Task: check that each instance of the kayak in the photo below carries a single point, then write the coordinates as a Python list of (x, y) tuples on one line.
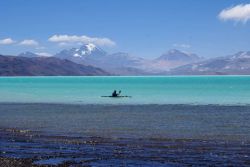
[(116, 96)]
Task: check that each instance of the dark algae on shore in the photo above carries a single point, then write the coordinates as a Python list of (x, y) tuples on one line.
[(15, 162)]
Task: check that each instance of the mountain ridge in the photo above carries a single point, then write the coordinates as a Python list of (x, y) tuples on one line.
[(115, 62), (173, 62), (235, 64), (44, 66)]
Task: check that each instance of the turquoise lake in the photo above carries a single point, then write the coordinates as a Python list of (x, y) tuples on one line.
[(225, 90), (168, 121)]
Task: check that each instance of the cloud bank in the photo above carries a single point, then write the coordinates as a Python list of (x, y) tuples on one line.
[(7, 41), (64, 39), (29, 42), (238, 13)]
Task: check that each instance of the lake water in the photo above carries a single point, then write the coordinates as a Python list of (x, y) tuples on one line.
[(224, 90), (168, 121), (198, 107)]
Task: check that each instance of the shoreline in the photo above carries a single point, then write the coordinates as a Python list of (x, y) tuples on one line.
[(38, 134), (18, 150), (124, 104)]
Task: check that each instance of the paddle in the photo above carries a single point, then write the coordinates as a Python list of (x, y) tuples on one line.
[(116, 96)]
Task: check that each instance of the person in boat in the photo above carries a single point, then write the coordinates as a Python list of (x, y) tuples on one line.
[(115, 94)]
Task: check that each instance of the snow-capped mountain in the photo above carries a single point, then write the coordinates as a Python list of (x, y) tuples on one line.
[(79, 54), (240, 55), (90, 54), (238, 63)]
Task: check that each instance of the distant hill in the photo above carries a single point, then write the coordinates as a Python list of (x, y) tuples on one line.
[(28, 54), (44, 66), (236, 64), (174, 58)]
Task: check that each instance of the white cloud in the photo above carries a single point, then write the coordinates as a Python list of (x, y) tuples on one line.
[(65, 39), (44, 54), (63, 44), (40, 47), (7, 41), (29, 42), (236, 13), (182, 45)]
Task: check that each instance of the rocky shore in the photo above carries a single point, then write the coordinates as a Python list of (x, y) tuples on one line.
[(22, 148), (13, 162)]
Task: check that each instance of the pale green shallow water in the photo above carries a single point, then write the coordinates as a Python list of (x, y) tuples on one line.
[(224, 90)]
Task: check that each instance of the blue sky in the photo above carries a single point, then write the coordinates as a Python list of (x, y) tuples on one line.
[(146, 28)]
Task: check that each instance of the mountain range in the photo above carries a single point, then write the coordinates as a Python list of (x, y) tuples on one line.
[(121, 63), (44, 66), (92, 60), (117, 63), (173, 62), (236, 64)]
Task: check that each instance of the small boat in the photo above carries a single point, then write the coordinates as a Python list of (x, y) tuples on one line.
[(116, 95)]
